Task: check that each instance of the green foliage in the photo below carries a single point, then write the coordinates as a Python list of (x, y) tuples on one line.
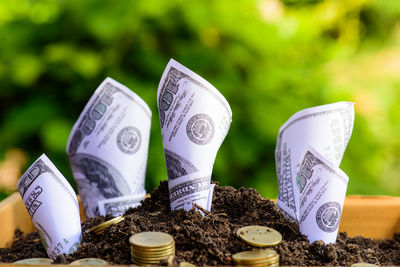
[(269, 59), (3, 195)]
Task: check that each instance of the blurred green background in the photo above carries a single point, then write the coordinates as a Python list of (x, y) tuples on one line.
[(269, 58)]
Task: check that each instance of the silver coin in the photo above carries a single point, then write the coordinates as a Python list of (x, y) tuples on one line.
[(35, 261)]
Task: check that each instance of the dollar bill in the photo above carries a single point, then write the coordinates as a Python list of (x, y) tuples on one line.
[(322, 197), (195, 119), (52, 204), (187, 190), (327, 129), (108, 148), (117, 206)]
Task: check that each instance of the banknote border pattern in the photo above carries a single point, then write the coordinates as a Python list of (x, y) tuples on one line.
[(348, 117), (308, 163), (343, 111), (78, 134), (181, 75), (201, 182), (42, 169), (126, 205)]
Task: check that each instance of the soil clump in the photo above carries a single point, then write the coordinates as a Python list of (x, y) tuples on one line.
[(211, 239)]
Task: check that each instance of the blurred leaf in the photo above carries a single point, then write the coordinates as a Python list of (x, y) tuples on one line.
[(3, 195), (55, 135), (26, 69), (26, 121), (269, 58)]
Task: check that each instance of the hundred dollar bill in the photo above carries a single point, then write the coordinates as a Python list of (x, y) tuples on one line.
[(108, 148), (194, 118), (117, 206), (52, 204), (328, 129), (321, 198)]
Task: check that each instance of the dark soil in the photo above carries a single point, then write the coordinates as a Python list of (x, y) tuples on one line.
[(211, 239)]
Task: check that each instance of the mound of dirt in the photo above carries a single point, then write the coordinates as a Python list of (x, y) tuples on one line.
[(211, 239)]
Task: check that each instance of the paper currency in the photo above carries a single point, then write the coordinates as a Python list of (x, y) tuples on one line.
[(322, 197), (52, 204), (108, 148), (327, 129), (119, 205), (194, 118)]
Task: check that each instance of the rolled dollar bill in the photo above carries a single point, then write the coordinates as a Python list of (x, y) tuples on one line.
[(194, 118), (52, 204), (327, 129), (108, 148), (322, 197)]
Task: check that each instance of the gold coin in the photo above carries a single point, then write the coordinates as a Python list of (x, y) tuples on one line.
[(150, 240), (271, 260), (98, 229), (276, 264), (155, 249), (363, 264), (146, 261), (186, 264), (158, 254), (268, 262), (89, 261), (254, 255), (149, 261), (259, 236), (259, 262), (158, 257), (35, 261), (153, 254), (149, 258)]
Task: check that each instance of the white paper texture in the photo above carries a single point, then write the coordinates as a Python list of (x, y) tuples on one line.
[(327, 129), (108, 148), (117, 206), (322, 197), (52, 204), (194, 118)]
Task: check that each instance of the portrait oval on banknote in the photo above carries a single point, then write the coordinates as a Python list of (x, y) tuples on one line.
[(129, 140), (200, 129), (328, 216), (96, 180)]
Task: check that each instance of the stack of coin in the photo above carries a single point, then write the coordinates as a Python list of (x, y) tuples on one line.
[(151, 247), (259, 236), (98, 229), (265, 257), (186, 264)]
